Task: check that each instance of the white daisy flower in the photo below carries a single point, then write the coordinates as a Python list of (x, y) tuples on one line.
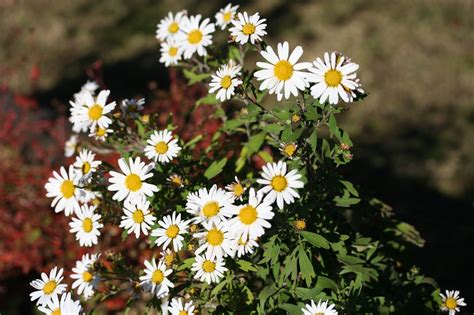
[(63, 187), (288, 149), (85, 164), (137, 217), (170, 53), (323, 308), (155, 279), (90, 86), (170, 26), (236, 189), (48, 286), (131, 184), (94, 110), (251, 218), (175, 180), (209, 269), (334, 77), (168, 257), (86, 226), (226, 15), (171, 231), (70, 146), (66, 305), (225, 80), (248, 28), (451, 302), (245, 247), (86, 195), (282, 74), (211, 206), (177, 307), (85, 279), (280, 185), (162, 147), (216, 240), (195, 36), (132, 106), (99, 133)]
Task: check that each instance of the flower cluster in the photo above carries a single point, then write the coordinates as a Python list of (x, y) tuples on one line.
[(207, 233)]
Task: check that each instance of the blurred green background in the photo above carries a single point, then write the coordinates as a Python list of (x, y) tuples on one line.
[(412, 135)]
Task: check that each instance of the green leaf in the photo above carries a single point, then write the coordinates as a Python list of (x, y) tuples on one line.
[(326, 283), (234, 54), (194, 78), (256, 141), (306, 267), (246, 265), (350, 187), (265, 156), (232, 124), (193, 141), (290, 308), (208, 99), (186, 264), (315, 239), (274, 128), (313, 140), (215, 168)]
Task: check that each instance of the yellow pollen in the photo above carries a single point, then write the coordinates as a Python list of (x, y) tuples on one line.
[(49, 287), (161, 147), (169, 259), (283, 70), (157, 276), (183, 313), (226, 81), (333, 78), (67, 189), (172, 51), (172, 231), (290, 149), (87, 225), (300, 224), (100, 132), (227, 16), (279, 183), (138, 216), (248, 29), (451, 303), (173, 28), (248, 215), (210, 209), (238, 189), (87, 276), (56, 312), (194, 37), (215, 237), (95, 112), (86, 168), (133, 182), (208, 266)]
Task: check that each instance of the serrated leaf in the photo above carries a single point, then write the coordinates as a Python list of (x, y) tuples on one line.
[(315, 239), (306, 267), (193, 77), (246, 265)]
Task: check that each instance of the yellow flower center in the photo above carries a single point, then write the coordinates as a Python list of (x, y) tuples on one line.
[(87, 276), (173, 51), (451, 303), (173, 28), (172, 231), (176, 181), (49, 287), (226, 81), (87, 225), (138, 216), (169, 259), (283, 70), (227, 16), (290, 149), (183, 313), (238, 189), (157, 277), (56, 312), (194, 37), (215, 237), (333, 78), (248, 215), (161, 147), (133, 182), (67, 189), (100, 132), (279, 183), (300, 224), (95, 112), (86, 167), (295, 118), (208, 266), (248, 29), (210, 209)]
